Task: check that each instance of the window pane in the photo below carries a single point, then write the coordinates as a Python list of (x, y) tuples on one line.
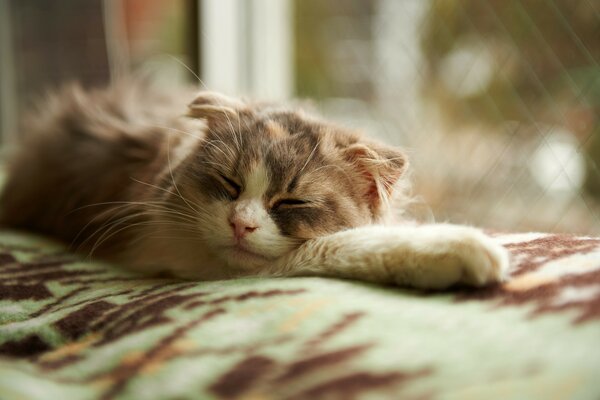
[(498, 101)]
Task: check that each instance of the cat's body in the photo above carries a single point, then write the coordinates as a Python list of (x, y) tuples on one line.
[(231, 189)]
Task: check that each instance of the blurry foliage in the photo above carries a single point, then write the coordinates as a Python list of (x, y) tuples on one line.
[(321, 28), (544, 50), (545, 65), (309, 61)]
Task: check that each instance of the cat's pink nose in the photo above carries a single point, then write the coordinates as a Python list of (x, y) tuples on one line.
[(241, 228)]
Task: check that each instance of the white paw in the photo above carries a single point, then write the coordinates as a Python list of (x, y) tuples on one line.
[(450, 254)]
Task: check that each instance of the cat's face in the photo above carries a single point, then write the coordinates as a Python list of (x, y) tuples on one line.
[(263, 181)]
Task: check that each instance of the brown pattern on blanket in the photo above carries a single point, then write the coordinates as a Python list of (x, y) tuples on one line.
[(87, 319), (94, 331), (541, 277)]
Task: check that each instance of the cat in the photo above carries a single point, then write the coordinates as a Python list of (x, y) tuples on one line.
[(206, 186)]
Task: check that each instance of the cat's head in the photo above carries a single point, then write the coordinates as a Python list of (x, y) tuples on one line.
[(264, 180)]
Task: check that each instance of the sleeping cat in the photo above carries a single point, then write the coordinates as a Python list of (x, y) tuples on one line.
[(221, 188)]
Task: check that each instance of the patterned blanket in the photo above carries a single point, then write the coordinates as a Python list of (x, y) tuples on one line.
[(71, 329)]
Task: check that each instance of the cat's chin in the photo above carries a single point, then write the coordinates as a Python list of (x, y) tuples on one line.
[(245, 258)]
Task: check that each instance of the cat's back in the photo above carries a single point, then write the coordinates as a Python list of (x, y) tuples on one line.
[(81, 148)]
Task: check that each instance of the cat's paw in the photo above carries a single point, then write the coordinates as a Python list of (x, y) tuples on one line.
[(483, 260), (449, 254)]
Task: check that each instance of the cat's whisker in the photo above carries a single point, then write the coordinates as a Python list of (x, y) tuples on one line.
[(200, 81), (201, 139), (109, 226), (152, 234), (310, 156), (239, 131), (179, 215), (121, 204), (221, 139), (104, 203), (385, 161), (234, 134), (232, 129), (155, 207), (102, 239), (339, 168), (173, 179), (211, 163), (96, 217), (183, 224), (153, 186), (211, 143)]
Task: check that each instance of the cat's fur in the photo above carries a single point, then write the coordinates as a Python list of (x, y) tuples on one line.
[(231, 189)]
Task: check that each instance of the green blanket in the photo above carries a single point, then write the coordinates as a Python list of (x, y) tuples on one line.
[(71, 329)]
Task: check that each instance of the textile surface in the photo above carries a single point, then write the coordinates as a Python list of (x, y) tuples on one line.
[(75, 329)]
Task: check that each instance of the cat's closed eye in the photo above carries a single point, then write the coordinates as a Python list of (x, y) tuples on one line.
[(233, 188), (290, 203)]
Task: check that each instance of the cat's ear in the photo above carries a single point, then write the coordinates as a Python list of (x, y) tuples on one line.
[(214, 106), (381, 167)]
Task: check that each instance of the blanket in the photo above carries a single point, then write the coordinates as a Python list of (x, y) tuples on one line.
[(75, 329)]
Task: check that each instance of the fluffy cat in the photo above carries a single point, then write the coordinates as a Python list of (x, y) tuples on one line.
[(230, 189)]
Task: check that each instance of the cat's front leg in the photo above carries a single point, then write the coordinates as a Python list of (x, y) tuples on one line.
[(426, 256)]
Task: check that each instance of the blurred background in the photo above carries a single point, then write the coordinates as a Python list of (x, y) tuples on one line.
[(497, 102)]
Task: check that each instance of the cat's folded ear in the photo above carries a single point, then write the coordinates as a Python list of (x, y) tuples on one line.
[(381, 166), (213, 106)]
